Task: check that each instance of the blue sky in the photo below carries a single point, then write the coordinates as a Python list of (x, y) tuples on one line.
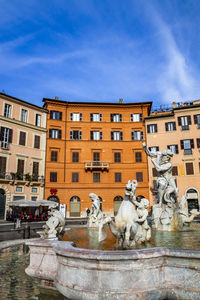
[(100, 50)]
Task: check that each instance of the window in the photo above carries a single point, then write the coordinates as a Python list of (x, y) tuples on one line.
[(2, 166), (24, 114), (54, 155), (118, 177), (184, 122), (37, 142), (170, 126), (116, 135), (22, 138), (154, 148), (33, 198), (116, 118), (76, 117), (152, 128), (187, 146), (19, 189), (189, 168), (96, 177), (35, 170), (55, 115), (137, 135), (53, 176), (18, 198), (139, 176), (20, 168), (136, 117), (38, 120), (96, 158), (117, 157), (34, 190), (96, 135), (75, 157), (96, 117), (198, 143), (138, 156), (7, 110), (75, 177), (173, 148), (197, 120), (75, 135), (5, 137), (55, 133), (175, 171)]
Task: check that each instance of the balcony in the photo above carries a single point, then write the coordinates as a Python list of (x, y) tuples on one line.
[(96, 165), (16, 178)]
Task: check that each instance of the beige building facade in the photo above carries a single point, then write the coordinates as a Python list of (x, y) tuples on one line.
[(22, 151), (178, 130)]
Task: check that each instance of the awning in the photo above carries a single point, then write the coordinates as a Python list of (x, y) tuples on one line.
[(30, 203)]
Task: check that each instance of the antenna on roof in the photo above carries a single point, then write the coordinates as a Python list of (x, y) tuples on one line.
[(121, 101)]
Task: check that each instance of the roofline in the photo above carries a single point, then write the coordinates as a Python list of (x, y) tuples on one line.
[(187, 107), (160, 116), (23, 101)]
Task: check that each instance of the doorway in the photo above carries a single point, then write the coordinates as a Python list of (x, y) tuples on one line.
[(2, 204)]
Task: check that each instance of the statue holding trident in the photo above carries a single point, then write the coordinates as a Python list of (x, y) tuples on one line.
[(164, 212)]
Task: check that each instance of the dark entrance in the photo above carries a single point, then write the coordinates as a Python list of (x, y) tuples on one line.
[(192, 199), (54, 198), (2, 204)]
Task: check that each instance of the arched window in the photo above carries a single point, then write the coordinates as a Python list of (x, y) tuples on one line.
[(54, 198), (192, 199), (75, 206), (117, 202), (2, 203)]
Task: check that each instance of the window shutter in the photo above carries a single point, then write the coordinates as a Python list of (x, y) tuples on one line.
[(166, 126), (50, 133), (91, 135), (120, 117), (198, 143), (111, 118), (179, 121), (71, 135), (100, 117), (37, 142), (141, 117), (60, 115), (189, 120), (142, 135), (156, 128), (121, 136), (176, 146), (182, 144), (59, 133), (174, 125), (174, 171), (131, 117), (51, 114), (148, 128), (35, 169), (81, 116), (101, 135), (195, 119), (2, 165), (189, 168), (20, 166), (112, 135), (80, 135), (91, 117), (22, 138), (71, 116), (132, 135), (10, 136), (192, 143)]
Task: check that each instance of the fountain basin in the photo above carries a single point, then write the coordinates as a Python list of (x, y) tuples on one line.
[(152, 273)]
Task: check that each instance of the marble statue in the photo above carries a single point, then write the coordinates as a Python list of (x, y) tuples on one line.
[(168, 213), (184, 218), (130, 225), (96, 214), (54, 225)]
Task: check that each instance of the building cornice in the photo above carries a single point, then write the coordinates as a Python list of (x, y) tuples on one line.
[(160, 116), (23, 124)]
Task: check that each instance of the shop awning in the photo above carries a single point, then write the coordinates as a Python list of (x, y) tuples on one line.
[(30, 203)]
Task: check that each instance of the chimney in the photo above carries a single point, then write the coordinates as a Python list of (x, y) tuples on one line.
[(121, 101), (56, 98)]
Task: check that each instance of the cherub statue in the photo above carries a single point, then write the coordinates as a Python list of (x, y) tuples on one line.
[(96, 214), (54, 225)]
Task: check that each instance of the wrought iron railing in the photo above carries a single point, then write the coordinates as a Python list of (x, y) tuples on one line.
[(21, 177)]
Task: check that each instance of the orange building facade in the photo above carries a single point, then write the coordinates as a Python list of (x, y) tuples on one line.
[(94, 147)]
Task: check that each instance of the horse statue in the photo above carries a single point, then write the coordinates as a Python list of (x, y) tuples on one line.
[(130, 224)]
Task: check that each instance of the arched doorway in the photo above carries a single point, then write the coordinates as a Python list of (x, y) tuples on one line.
[(2, 204), (192, 199), (117, 202), (54, 198), (75, 206)]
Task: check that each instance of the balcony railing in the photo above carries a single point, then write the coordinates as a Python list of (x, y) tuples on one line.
[(13, 177), (101, 165)]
